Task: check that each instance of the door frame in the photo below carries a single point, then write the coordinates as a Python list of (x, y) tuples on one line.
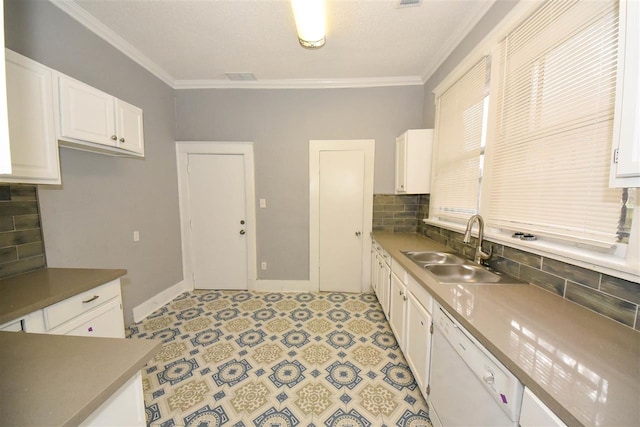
[(183, 150), (315, 147)]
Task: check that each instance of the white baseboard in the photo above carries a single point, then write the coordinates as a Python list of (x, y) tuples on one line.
[(152, 304), (284, 286)]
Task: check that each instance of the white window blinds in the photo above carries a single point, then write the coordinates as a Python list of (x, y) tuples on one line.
[(459, 137), (549, 168)]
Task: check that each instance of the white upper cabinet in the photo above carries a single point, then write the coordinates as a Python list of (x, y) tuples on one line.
[(625, 168), (86, 114), (130, 129), (32, 133), (413, 161), (5, 149), (93, 120)]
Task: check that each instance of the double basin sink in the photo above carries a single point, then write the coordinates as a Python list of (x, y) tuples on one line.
[(448, 268)]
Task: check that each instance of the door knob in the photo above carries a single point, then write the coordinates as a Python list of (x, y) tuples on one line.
[(242, 231), (358, 233)]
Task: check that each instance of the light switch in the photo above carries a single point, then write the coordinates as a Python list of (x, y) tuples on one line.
[(263, 203), (136, 236)]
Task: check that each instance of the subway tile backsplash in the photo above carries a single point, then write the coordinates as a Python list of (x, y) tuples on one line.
[(21, 245), (612, 297)]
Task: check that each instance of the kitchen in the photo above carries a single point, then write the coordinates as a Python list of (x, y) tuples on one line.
[(89, 222)]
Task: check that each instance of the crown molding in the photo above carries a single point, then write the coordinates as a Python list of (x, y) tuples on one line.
[(74, 10), (454, 42), (71, 8), (300, 83)]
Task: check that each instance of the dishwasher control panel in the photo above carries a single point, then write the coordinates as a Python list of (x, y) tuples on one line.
[(503, 386)]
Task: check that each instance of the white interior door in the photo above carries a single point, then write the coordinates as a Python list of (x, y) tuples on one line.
[(217, 203), (341, 212), (341, 176)]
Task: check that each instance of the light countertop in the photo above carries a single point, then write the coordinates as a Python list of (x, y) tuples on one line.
[(59, 380), (29, 292), (583, 366)]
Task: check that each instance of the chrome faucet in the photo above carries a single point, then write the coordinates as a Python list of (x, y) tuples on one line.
[(480, 254)]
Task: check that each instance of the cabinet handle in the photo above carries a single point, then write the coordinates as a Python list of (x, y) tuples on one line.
[(95, 297), (242, 231), (114, 137), (122, 140)]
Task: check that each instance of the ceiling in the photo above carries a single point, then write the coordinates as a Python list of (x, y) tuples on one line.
[(194, 43)]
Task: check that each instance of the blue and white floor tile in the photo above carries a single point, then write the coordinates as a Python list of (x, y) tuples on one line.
[(238, 358)]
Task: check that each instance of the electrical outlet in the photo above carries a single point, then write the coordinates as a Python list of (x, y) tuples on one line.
[(263, 204), (263, 265)]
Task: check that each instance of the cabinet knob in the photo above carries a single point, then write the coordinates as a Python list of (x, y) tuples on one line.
[(114, 137), (122, 140)]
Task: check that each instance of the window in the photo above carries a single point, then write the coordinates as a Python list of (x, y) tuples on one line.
[(548, 122), (549, 172), (460, 130)]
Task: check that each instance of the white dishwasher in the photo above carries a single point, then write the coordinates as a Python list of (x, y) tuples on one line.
[(468, 386)]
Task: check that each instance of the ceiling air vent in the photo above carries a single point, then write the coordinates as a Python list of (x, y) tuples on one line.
[(240, 76), (407, 3)]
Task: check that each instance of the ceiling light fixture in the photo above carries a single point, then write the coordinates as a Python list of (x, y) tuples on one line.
[(310, 22)]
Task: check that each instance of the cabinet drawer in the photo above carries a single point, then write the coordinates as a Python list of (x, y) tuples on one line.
[(63, 311)]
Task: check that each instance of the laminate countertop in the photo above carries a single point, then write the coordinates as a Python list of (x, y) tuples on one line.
[(583, 366), (29, 292), (59, 380)]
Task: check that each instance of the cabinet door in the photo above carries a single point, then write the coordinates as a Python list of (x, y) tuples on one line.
[(384, 279), (374, 271), (397, 299), (103, 321), (401, 163), (129, 127), (5, 149), (418, 347), (32, 134), (534, 413), (86, 113)]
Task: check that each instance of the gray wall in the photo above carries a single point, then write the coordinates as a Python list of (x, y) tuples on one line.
[(493, 16), (89, 221), (281, 123)]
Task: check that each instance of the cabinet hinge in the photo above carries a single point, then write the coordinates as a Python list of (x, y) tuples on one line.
[(615, 155), (193, 278), (431, 328), (428, 389)]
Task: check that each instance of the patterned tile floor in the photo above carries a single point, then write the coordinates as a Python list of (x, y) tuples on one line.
[(240, 358)]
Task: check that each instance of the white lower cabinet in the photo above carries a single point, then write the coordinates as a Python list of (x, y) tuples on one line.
[(534, 413), (124, 408), (384, 283), (96, 312), (418, 345), (398, 304)]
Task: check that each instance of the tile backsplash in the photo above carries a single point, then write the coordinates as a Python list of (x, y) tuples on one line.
[(21, 244), (615, 298)]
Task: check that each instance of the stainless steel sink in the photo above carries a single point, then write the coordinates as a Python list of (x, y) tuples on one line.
[(434, 258), (448, 268), (462, 273)]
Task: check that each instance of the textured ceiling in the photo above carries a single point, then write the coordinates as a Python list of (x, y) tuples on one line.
[(194, 43)]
